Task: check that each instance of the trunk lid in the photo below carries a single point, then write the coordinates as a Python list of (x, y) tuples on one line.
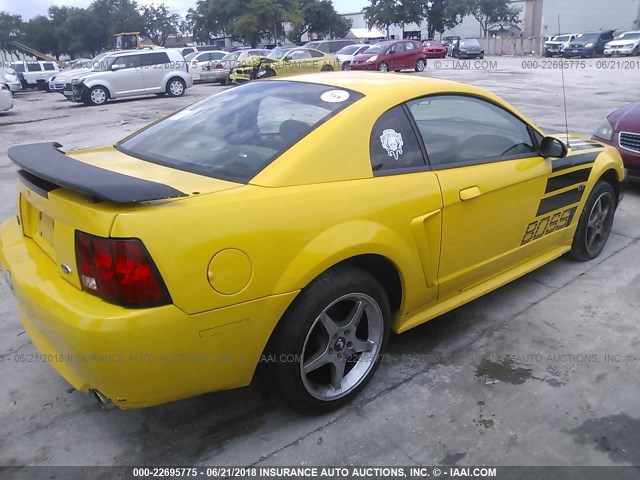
[(86, 189)]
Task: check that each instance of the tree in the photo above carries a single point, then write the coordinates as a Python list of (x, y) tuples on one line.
[(246, 21), (160, 23), (491, 13), (319, 19), (384, 13), (444, 14), (116, 16), (10, 29)]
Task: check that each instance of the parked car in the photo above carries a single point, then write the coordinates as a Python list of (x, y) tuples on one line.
[(346, 54), (278, 64), (329, 46), (61, 78), (32, 71), (588, 44), (131, 73), (621, 129), (627, 43), (467, 48), (447, 41), (556, 45), (433, 49), (6, 97), (382, 205), (197, 61), (184, 51), (219, 71), (9, 77), (393, 56)]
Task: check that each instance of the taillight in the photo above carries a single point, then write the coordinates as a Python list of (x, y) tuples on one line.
[(218, 65), (119, 271), (3, 86)]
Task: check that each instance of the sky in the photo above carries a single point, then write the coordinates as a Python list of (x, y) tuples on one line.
[(31, 8)]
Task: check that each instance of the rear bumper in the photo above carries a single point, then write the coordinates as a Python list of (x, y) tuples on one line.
[(214, 75), (579, 52), (136, 358)]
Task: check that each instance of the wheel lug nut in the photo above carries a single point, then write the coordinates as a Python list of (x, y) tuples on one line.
[(347, 332)]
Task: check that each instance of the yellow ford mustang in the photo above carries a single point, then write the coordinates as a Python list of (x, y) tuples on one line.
[(284, 62), (284, 228)]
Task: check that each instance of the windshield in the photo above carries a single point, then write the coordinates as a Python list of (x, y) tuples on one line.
[(432, 44), (588, 37), (278, 53), (190, 56), (235, 134), (377, 48), (629, 36), (312, 45), (348, 50), (561, 38), (104, 64), (469, 43)]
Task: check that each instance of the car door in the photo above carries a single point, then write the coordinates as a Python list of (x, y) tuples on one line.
[(412, 53), (125, 77), (297, 61), (396, 55), (602, 41), (493, 181), (154, 68)]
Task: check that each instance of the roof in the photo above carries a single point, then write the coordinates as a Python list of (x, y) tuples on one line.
[(365, 33)]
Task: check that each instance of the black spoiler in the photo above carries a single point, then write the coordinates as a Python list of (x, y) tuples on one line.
[(48, 168)]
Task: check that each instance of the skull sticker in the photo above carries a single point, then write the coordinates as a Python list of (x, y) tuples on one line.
[(392, 143)]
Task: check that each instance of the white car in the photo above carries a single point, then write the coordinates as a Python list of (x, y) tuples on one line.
[(625, 44), (8, 76), (346, 54), (219, 71), (61, 78), (6, 98), (556, 45), (131, 73), (197, 61), (33, 71)]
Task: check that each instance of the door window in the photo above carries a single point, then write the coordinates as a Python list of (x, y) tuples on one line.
[(393, 145), (33, 67), (461, 130), (131, 61), (158, 58), (49, 66)]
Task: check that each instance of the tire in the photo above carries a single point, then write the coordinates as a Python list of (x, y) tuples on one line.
[(176, 87), (318, 329), (636, 51), (421, 64), (594, 226), (481, 57), (345, 65), (97, 96), (327, 68), (24, 84), (547, 54), (383, 67)]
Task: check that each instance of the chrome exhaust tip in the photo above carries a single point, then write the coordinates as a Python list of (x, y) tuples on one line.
[(103, 401)]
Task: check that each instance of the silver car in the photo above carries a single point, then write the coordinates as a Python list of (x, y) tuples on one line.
[(8, 77), (132, 73), (79, 67), (219, 71), (346, 54)]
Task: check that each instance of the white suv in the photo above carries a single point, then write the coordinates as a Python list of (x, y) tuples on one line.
[(132, 73), (31, 72)]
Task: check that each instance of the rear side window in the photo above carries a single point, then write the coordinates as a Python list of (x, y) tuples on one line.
[(131, 61), (394, 146), (19, 67), (49, 66), (33, 67), (156, 58), (235, 134)]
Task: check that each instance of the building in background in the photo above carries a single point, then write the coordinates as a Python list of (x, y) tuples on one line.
[(539, 18)]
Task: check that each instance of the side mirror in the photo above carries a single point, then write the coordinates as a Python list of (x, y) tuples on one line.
[(117, 66), (551, 147)]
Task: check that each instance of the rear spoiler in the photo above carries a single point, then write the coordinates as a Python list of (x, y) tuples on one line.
[(47, 168)]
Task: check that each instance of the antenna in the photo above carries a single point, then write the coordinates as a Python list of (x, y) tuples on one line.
[(564, 93)]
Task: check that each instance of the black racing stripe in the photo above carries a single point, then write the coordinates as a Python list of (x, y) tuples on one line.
[(574, 161), (559, 201), (567, 179)]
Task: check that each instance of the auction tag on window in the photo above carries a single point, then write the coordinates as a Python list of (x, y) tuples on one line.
[(335, 96)]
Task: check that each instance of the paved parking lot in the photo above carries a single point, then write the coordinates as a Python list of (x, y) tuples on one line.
[(540, 372)]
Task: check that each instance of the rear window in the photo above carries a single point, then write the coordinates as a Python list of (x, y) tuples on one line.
[(158, 58), (235, 134), (49, 66)]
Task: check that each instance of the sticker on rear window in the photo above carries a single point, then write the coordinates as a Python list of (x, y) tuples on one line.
[(335, 96), (392, 143)]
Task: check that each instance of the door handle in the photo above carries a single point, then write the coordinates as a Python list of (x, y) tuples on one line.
[(469, 193)]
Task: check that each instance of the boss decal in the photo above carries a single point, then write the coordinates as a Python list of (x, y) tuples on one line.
[(547, 225), (392, 142), (567, 180)]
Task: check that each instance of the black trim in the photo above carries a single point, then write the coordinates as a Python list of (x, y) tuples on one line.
[(567, 179), (559, 201), (36, 184), (45, 161), (574, 161)]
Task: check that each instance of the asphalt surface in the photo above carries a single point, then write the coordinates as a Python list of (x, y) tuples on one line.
[(541, 372)]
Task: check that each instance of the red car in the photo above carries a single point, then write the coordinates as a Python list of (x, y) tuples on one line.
[(433, 49), (392, 56), (621, 129)]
